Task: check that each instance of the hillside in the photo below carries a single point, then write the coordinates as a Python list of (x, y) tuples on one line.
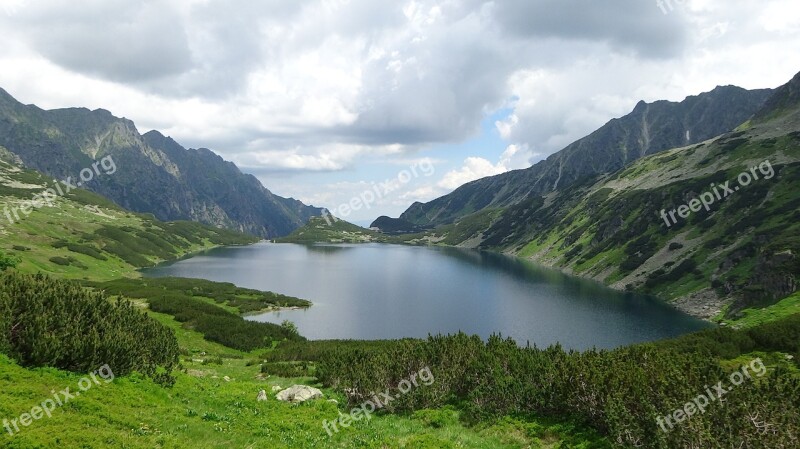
[(83, 235), (648, 129), (390, 225), (153, 173), (319, 230), (739, 252)]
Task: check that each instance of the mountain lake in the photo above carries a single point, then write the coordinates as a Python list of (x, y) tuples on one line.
[(378, 291)]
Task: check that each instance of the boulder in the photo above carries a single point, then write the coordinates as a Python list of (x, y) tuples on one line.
[(262, 396), (276, 388), (299, 393)]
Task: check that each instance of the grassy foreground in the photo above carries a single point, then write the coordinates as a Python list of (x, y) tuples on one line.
[(203, 410)]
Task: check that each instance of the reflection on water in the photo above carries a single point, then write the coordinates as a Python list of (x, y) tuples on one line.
[(385, 291), (327, 249)]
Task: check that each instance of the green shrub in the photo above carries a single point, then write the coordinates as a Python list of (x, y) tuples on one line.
[(283, 369), (7, 261), (658, 277), (58, 260), (619, 393), (68, 261), (186, 300), (126, 254), (87, 250), (303, 350), (59, 324)]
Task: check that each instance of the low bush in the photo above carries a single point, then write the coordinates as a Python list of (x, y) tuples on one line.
[(290, 370), (188, 301), (619, 393), (46, 322)]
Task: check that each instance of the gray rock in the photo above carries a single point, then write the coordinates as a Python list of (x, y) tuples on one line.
[(262, 396), (299, 393)]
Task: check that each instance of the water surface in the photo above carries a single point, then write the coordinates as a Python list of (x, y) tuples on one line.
[(380, 291)]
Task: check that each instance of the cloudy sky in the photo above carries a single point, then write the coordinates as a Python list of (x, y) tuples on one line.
[(325, 99)]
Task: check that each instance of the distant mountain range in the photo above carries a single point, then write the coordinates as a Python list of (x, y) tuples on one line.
[(649, 129), (154, 173)]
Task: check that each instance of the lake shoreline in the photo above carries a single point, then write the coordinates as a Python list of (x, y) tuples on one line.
[(685, 304)]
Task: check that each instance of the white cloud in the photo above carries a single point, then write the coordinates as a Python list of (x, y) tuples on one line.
[(11, 7), (774, 17), (557, 105), (513, 158), (422, 193), (473, 168), (323, 85), (292, 75)]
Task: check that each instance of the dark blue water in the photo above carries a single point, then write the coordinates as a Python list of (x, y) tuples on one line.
[(385, 291)]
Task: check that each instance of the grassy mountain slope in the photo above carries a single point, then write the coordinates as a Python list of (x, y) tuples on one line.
[(742, 250), (83, 235), (154, 174), (740, 253), (649, 129)]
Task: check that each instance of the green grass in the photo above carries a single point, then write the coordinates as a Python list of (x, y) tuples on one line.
[(754, 317)]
